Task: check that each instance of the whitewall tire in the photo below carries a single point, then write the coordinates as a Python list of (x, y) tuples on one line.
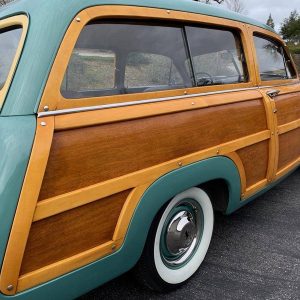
[(177, 242)]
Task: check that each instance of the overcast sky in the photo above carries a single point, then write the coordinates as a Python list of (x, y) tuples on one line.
[(280, 9)]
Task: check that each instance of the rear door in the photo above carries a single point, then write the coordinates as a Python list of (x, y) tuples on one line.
[(279, 83)]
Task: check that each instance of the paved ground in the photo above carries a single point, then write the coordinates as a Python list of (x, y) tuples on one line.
[(255, 254)]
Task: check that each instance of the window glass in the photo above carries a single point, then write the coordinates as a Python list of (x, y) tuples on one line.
[(9, 42), (152, 71), (273, 62), (217, 56), (121, 58), (90, 69)]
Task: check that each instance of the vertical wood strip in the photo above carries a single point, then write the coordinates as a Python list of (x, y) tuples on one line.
[(26, 207)]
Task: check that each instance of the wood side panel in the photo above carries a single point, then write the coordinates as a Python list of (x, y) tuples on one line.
[(255, 161), (72, 232), (86, 156), (289, 145), (288, 108)]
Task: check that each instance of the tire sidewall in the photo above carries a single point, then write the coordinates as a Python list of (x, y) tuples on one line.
[(178, 276)]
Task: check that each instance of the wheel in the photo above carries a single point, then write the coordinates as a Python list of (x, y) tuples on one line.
[(178, 241)]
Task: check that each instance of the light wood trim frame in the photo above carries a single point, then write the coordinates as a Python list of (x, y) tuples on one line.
[(142, 179), (23, 21), (274, 141), (239, 164), (54, 270), (289, 127), (104, 116), (252, 30), (26, 207), (20, 231), (52, 97)]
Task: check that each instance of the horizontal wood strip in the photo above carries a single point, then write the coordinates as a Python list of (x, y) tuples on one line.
[(54, 270), (87, 156), (255, 188), (288, 127), (92, 193), (105, 116), (71, 232), (288, 168)]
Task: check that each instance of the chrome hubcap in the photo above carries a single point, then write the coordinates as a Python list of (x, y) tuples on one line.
[(181, 233)]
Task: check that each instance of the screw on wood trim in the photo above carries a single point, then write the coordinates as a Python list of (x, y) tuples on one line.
[(180, 164), (218, 151), (185, 92), (46, 108), (168, 11), (113, 247), (10, 287), (275, 111), (193, 103), (78, 19), (43, 123)]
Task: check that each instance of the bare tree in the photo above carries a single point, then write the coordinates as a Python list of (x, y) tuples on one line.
[(236, 5)]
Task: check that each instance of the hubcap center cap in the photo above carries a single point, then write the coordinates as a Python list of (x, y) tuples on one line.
[(181, 233)]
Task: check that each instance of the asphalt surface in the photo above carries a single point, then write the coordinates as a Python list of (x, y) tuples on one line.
[(254, 254)]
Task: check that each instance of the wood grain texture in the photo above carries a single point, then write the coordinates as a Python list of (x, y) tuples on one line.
[(72, 232), (289, 148), (288, 108), (255, 161), (86, 156)]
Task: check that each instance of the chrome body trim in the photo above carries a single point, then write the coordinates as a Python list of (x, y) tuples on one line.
[(139, 102)]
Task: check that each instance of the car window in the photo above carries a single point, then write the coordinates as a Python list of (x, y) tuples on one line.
[(122, 58), (90, 69), (273, 61), (9, 42), (217, 56)]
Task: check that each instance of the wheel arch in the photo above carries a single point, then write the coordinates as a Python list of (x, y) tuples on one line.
[(216, 169)]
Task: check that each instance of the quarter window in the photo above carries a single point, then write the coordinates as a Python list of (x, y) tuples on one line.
[(9, 42), (217, 56), (274, 63)]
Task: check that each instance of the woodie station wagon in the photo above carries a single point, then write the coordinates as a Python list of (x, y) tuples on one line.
[(124, 125)]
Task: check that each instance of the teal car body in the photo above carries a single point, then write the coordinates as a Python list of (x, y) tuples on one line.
[(48, 22)]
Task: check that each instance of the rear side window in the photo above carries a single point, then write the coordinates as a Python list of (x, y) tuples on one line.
[(9, 42), (273, 61), (124, 58), (217, 56)]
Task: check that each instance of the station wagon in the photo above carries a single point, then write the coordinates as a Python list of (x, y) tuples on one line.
[(124, 125)]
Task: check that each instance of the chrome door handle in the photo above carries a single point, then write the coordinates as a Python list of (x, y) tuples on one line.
[(273, 93)]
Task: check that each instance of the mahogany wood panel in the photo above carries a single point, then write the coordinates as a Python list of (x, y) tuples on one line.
[(255, 160), (72, 232), (289, 148), (288, 108), (86, 156)]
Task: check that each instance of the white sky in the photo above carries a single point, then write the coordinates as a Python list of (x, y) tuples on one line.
[(261, 9)]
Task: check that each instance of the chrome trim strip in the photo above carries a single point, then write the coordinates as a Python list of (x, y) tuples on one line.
[(139, 102)]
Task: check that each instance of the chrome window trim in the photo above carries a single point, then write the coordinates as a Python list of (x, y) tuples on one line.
[(139, 102)]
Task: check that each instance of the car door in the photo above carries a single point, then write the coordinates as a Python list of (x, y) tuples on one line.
[(279, 83)]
